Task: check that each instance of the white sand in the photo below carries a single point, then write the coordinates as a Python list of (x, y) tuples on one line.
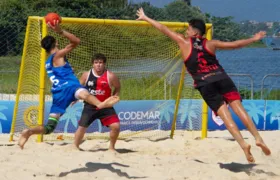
[(217, 157)]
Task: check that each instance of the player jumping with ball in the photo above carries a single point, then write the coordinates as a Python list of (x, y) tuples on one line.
[(66, 88)]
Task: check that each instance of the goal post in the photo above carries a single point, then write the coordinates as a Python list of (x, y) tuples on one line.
[(204, 124), (138, 53)]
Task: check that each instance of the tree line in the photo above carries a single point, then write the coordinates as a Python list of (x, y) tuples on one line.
[(14, 14)]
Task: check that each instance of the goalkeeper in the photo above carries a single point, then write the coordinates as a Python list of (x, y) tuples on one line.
[(101, 83)]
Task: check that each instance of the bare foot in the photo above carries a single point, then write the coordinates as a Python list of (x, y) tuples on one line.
[(264, 148), (72, 147), (248, 154), (23, 138), (113, 151), (109, 102)]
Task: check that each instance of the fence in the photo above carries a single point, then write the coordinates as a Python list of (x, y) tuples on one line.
[(243, 82), (270, 87), (135, 85)]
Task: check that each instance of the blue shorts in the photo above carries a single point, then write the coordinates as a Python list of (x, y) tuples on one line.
[(63, 98)]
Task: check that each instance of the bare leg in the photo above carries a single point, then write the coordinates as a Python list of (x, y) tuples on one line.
[(25, 134), (109, 102), (224, 113), (79, 135), (247, 121), (114, 134)]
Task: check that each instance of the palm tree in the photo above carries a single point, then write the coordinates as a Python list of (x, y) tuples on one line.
[(166, 111), (2, 116), (72, 116), (189, 110), (274, 111), (99, 126), (254, 111)]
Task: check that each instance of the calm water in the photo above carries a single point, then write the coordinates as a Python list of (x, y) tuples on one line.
[(256, 62)]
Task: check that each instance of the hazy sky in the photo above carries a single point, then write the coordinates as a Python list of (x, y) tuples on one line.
[(259, 10)]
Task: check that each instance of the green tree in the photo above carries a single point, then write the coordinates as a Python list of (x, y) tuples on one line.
[(251, 27), (181, 11), (225, 29), (188, 2), (12, 25)]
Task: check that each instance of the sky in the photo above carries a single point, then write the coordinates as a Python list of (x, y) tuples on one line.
[(259, 10)]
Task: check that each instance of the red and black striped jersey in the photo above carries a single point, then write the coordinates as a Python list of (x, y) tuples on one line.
[(99, 86), (202, 64)]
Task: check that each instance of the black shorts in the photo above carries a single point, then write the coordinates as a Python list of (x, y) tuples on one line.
[(216, 93), (107, 116)]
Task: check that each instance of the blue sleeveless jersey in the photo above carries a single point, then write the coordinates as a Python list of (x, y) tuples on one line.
[(62, 76)]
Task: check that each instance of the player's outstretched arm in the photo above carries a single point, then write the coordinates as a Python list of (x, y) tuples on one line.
[(74, 41), (165, 30), (239, 43)]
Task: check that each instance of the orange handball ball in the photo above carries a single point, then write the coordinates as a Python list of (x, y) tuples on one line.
[(52, 17)]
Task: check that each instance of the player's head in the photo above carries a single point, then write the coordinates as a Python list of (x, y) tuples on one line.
[(49, 43), (99, 62), (196, 27)]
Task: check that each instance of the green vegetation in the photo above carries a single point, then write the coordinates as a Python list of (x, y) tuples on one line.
[(10, 63), (267, 94), (12, 23), (258, 44), (9, 69), (12, 31)]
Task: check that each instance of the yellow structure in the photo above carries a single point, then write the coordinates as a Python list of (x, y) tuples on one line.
[(124, 42)]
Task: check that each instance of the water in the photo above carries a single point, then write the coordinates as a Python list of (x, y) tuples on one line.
[(272, 42), (257, 62)]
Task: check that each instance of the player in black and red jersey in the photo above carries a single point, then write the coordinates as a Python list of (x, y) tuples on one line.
[(215, 86), (102, 84)]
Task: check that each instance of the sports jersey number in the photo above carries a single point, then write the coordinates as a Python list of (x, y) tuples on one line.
[(202, 62), (53, 80)]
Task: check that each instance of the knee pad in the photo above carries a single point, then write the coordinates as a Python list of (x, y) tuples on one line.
[(51, 125)]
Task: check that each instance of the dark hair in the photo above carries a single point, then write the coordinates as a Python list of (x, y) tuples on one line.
[(48, 43), (99, 56), (199, 25)]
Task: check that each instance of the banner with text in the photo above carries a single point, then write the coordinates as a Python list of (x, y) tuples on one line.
[(155, 115)]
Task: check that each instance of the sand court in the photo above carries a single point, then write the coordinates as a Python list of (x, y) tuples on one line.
[(184, 157)]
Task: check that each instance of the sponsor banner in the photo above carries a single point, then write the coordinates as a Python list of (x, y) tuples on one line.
[(255, 109), (6, 115), (146, 115), (272, 115), (139, 115)]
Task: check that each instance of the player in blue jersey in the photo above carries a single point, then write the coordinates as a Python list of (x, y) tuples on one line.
[(66, 88)]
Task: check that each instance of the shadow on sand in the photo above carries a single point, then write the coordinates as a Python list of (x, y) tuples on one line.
[(247, 168), (92, 167), (121, 151)]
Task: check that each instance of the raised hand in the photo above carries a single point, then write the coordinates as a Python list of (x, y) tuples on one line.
[(259, 35), (141, 15), (56, 27)]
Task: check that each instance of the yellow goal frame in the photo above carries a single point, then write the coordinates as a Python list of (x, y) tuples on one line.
[(98, 21)]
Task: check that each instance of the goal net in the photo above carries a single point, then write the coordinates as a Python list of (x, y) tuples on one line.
[(147, 63)]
